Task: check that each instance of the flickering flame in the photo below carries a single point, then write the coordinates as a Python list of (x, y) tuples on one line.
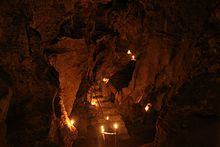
[(102, 129), (107, 117), (72, 121), (147, 107), (133, 57), (94, 102), (129, 52), (116, 126), (105, 80)]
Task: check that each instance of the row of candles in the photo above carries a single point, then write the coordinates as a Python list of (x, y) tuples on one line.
[(105, 80), (103, 132), (71, 122), (132, 55)]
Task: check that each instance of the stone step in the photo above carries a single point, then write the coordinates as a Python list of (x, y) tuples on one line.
[(97, 96), (114, 117), (106, 103), (111, 120), (102, 99), (107, 112), (108, 109), (97, 91)]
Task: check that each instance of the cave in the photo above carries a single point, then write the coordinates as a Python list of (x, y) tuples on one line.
[(109, 73)]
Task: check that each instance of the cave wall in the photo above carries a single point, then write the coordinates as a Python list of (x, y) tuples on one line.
[(33, 83), (176, 44), (29, 83), (71, 63), (174, 48)]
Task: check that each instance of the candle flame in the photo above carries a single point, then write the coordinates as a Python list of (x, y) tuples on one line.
[(105, 80), (133, 57), (129, 52), (116, 126), (147, 107)]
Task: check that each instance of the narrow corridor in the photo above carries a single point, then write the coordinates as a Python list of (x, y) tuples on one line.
[(105, 125)]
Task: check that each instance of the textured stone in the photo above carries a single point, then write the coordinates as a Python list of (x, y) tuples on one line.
[(176, 44)]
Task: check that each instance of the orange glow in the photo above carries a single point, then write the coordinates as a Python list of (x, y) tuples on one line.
[(116, 126), (147, 107), (102, 129), (107, 117), (105, 80), (133, 57), (72, 121), (129, 52), (94, 102)]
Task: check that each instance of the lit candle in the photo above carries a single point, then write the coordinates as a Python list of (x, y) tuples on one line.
[(116, 126), (72, 121), (133, 57), (129, 52), (147, 107), (102, 129), (93, 102), (105, 80)]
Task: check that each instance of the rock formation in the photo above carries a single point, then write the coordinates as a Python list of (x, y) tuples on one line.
[(51, 53)]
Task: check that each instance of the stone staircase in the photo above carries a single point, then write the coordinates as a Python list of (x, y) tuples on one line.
[(107, 108), (97, 117)]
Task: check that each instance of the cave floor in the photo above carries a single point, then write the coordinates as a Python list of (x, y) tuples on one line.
[(96, 118)]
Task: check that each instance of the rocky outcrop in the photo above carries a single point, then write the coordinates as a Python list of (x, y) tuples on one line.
[(69, 58), (29, 84), (174, 42)]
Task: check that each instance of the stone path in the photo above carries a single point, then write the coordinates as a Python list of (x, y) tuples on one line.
[(97, 118), (107, 108)]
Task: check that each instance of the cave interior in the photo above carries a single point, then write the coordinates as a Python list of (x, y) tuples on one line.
[(109, 73)]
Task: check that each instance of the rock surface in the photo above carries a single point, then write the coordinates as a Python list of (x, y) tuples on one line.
[(69, 45)]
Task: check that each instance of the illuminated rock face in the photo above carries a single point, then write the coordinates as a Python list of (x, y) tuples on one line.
[(47, 45), (71, 64)]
